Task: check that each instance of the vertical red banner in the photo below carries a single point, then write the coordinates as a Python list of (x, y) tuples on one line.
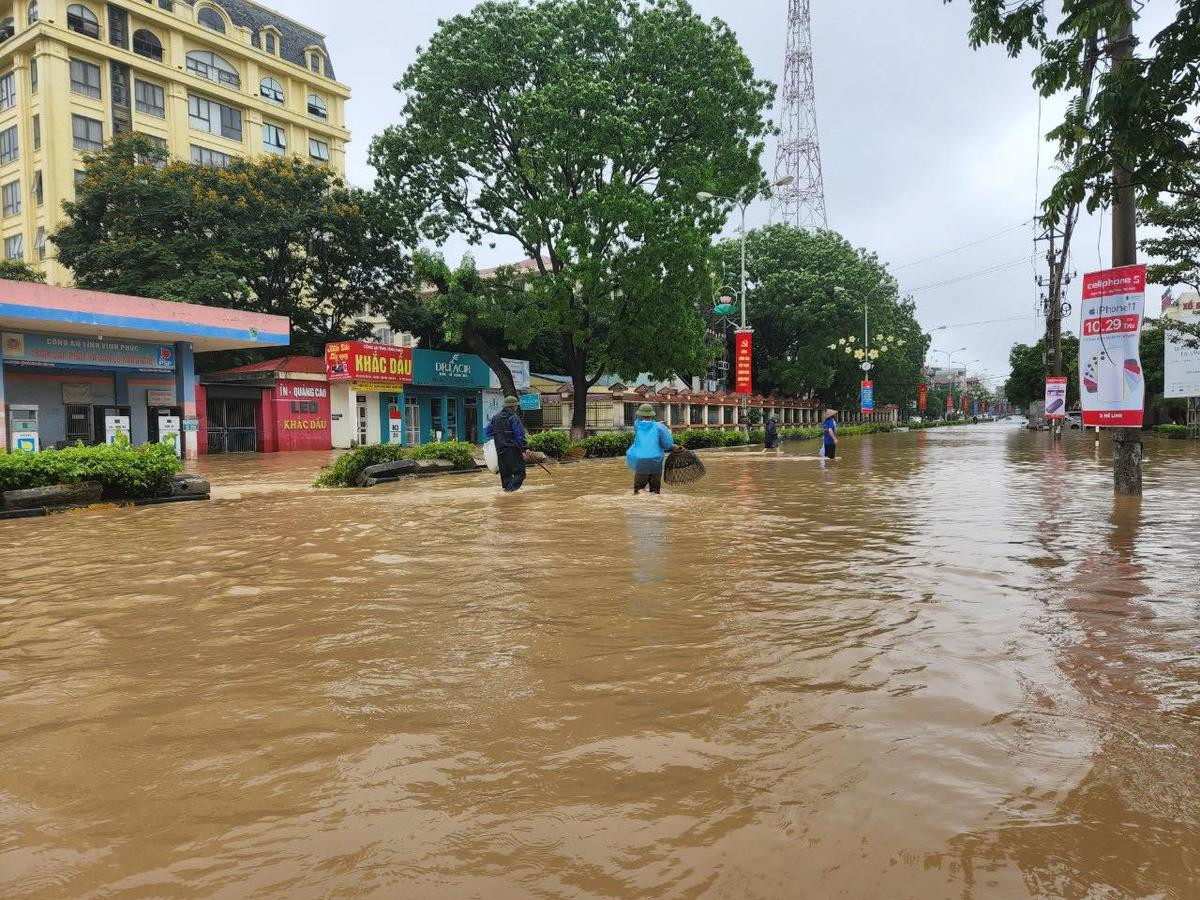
[(923, 397), (743, 355), (950, 402), (966, 404)]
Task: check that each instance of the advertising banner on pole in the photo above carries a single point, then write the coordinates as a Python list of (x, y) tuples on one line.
[(965, 401), (1056, 397), (1182, 364), (868, 397), (1112, 387), (923, 397), (950, 402), (743, 353)]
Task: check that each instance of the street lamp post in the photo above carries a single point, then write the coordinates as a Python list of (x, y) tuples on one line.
[(950, 354), (706, 197)]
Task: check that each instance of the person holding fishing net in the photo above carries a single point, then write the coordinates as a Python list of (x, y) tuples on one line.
[(652, 442), (506, 430)]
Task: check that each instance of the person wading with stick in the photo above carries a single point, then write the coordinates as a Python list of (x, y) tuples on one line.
[(829, 434), (771, 432), (506, 430), (651, 442)]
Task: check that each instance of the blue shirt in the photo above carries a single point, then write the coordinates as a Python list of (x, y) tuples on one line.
[(830, 431), (651, 441)]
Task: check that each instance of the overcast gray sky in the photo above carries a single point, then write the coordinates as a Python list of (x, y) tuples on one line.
[(927, 145)]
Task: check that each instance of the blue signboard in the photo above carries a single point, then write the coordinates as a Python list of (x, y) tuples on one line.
[(531, 402), (73, 351), (435, 368), (868, 396)]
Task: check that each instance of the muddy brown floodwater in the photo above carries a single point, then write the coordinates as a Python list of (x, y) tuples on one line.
[(949, 665)]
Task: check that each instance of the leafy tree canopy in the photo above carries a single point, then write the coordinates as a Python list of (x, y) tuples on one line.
[(1027, 379), (17, 270), (1142, 114), (582, 131), (273, 235), (798, 315)]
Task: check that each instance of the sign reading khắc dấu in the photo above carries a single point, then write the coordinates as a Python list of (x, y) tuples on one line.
[(370, 367), (73, 351)]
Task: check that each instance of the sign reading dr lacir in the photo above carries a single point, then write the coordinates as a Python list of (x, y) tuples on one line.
[(371, 366)]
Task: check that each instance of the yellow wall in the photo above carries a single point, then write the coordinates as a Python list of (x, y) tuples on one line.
[(53, 45)]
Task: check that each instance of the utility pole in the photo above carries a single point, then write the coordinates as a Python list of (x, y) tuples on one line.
[(1127, 442)]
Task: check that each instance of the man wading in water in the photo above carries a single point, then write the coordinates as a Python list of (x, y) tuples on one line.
[(829, 433), (651, 441), (509, 434)]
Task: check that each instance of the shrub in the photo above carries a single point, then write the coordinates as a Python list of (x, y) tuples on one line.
[(699, 439), (125, 474), (732, 438), (346, 468), (609, 443), (552, 443), (460, 453), (1174, 432)]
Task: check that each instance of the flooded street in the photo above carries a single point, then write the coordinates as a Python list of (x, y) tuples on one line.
[(947, 665)]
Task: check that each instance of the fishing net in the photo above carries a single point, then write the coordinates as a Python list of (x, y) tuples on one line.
[(683, 467)]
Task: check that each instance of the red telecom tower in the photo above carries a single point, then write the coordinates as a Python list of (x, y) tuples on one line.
[(800, 203)]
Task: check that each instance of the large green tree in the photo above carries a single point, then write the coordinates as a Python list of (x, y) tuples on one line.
[(1027, 378), (581, 132), (805, 297), (273, 235), (1142, 113), (1175, 245)]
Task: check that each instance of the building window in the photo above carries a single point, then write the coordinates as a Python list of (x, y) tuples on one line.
[(39, 195), (316, 107), (318, 150), (79, 176), (271, 90), (274, 140), (31, 14), (37, 132), (82, 20), (40, 242), (11, 198), (7, 29), (85, 78), (33, 76), (8, 91), (211, 19), (215, 118), (216, 68), (14, 247), (150, 98), (146, 43), (9, 149), (88, 134), (213, 159), (118, 27), (269, 43)]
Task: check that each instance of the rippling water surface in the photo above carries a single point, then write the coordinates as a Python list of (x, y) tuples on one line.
[(948, 665)]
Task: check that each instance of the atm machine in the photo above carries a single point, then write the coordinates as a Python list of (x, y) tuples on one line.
[(23, 428)]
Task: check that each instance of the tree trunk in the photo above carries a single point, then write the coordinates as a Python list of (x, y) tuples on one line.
[(580, 386), (491, 356)]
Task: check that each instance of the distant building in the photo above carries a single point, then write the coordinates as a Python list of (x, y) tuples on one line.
[(208, 80)]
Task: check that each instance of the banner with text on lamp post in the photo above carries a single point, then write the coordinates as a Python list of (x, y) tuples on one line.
[(1112, 387), (867, 396), (1056, 397), (950, 402), (743, 354), (923, 397)]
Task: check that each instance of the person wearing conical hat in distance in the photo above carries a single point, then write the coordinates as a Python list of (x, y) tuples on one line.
[(651, 442), (829, 433), (506, 430)]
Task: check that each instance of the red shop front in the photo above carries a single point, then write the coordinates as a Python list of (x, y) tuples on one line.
[(266, 407)]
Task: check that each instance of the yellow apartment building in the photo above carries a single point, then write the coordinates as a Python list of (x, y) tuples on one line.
[(209, 80)]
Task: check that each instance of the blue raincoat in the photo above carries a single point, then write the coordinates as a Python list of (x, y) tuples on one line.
[(651, 441)]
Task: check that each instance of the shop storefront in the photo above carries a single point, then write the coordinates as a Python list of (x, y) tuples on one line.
[(84, 366), (446, 401), (367, 392), (275, 405)]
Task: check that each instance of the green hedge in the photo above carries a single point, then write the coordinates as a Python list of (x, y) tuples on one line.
[(553, 443), (126, 474), (346, 468), (1174, 432), (608, 443)]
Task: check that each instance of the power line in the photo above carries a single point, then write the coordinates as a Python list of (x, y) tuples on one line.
[(984, 240), (989, 271), (983, 322)]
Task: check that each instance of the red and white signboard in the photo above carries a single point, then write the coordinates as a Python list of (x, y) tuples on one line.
[(923, 397), (1056, 397), (370, 367), (743, 353), (1112, 385)]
